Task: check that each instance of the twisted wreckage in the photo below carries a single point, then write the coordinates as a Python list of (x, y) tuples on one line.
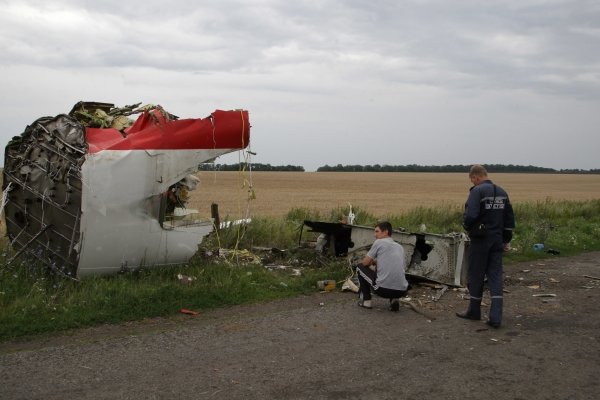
[(96, 192), (435, 257)]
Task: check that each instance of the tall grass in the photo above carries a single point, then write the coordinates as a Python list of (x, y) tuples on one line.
[(566, 226), (34, 302)]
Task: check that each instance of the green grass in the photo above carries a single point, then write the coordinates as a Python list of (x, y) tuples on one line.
[(33, 302), (569, 227)]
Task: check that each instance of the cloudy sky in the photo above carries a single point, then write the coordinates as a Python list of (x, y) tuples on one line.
[(429, 82)]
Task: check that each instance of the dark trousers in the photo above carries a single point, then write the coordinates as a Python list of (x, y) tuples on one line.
[(485, 259), (367, 279)]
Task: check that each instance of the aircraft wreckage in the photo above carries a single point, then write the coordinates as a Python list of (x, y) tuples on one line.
[(435, 257), (96, 192)]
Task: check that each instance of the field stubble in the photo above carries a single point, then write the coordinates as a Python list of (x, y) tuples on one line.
[(385, 193)]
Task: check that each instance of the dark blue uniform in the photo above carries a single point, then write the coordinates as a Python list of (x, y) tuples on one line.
[(487, 204)]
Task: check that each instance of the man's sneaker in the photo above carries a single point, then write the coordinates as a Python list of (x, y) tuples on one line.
[(394, 305), (365, 303)]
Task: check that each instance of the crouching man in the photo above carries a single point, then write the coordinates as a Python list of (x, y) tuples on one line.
[(382, 269)]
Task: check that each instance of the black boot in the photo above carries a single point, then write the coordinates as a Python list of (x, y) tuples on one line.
[(495, 313), (473, 312), (467, 315)]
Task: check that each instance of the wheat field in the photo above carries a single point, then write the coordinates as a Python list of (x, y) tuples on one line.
[(385, 193)]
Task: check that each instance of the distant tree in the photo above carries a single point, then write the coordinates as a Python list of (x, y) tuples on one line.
[(253, 167)]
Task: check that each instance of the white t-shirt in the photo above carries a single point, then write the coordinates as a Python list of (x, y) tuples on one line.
[(390, 263)]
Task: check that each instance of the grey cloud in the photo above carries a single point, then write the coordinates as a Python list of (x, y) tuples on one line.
[(328, 61), (455, 44)]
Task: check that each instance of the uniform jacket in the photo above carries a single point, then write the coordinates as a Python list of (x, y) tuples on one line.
[(495, 212)]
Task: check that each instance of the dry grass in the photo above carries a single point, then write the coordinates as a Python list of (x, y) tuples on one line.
[(379, 193)]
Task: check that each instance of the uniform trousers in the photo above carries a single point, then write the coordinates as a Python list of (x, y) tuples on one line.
[(367, 279), (485, 259)]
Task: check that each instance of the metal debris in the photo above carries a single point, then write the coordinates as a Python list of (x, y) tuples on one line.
[(417, 309), (240, 256), (188, 312), (184, 279), (87, 192), (592, 277), (440, 293), (439, 258), (348, 285)]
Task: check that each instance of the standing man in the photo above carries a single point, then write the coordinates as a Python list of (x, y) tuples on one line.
[(382, 269), (490, 220)]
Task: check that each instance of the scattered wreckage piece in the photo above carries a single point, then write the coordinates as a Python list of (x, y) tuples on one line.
[(91, 193), (419, 310), (336, 237), (435, 257), (592, 277), (440, 293)]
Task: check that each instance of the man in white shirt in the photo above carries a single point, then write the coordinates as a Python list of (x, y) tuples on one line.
[(383, 269)]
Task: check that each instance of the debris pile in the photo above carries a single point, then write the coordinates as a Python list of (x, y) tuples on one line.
[(271, 258), (106, 115)]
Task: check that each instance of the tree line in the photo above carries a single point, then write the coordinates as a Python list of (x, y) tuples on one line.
[(394, 168), (450, 168), (253, 167)]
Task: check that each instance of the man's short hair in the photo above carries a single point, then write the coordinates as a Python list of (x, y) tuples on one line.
[(385, 226), (478, 170)]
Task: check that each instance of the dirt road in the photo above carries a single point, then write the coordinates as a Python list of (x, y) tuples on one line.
[(325, 347)]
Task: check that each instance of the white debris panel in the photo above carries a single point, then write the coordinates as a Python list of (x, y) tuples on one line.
[(441, 258), (96, 192)]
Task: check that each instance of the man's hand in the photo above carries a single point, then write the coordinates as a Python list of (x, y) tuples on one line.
[(367, 261)]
